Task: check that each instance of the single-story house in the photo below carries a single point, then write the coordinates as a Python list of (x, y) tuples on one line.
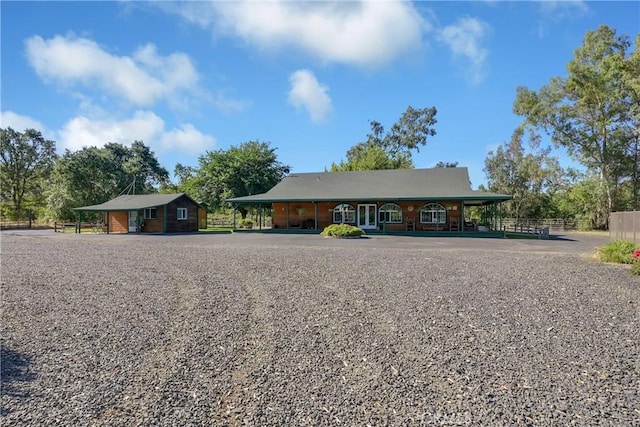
[(150, 213), (399, 200)]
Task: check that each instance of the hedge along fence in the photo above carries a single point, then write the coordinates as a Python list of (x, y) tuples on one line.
[(554, 224), (625, 226)]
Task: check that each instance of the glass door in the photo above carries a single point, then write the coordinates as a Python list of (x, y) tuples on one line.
[(133, 224), (367, 217)]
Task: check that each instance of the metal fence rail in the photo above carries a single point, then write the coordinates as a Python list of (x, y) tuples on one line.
[(625, 226)]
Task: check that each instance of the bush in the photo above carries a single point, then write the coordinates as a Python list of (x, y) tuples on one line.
[(342, 230), (620, 251), (246, 223), (635, 267)]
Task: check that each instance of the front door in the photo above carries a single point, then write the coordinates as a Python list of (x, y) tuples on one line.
[(367, 217), (133, 223)]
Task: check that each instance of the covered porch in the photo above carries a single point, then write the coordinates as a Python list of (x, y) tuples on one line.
[(455, 218)]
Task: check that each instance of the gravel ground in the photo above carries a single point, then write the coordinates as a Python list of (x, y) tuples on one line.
[(299, 330)]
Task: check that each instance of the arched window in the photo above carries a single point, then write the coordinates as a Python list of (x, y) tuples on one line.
[(433, 213), (390, 213), (344, 213)]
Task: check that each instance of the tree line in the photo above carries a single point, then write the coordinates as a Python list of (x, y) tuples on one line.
[(593, 113)]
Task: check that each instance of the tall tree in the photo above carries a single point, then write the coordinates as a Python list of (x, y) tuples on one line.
[(587, 112), (442, 164), (528, 175), (250, 168), (632, 78), (26, 159), (94, 175), (391, 150)]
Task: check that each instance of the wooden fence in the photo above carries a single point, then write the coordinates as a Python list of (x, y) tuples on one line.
[(625, 226), (554, 224), (22, 224)]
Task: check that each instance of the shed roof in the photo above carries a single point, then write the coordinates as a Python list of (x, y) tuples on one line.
[(381, 185), (130, 202)]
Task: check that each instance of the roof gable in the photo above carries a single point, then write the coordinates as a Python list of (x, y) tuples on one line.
[(135, 201)]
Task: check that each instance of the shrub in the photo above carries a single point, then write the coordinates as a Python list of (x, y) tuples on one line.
[(342, 230), (635, 267), (246, 223), (620, 251)]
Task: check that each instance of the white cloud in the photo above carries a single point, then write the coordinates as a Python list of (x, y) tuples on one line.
[(143, 78), (465, 38), (552, 12), (558, 10), (361, 33), (187, 139), (144, 126), (81, 131), (306, 92), (19, 122)]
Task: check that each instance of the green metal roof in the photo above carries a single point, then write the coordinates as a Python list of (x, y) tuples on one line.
[(379, 185), (134, 202)]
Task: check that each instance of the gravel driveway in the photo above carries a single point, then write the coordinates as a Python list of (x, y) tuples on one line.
[(250, 329)]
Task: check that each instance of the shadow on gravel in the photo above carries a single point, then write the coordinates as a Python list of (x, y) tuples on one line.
[(14, 372), (562, 238)]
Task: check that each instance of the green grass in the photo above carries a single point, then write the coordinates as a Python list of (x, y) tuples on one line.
[(216, 230), (618, 251)]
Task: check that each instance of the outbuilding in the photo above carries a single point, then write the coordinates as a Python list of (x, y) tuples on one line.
[(149, 213)]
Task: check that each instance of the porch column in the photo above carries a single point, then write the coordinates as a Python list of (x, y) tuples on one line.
[(108, 222), (79, 226), (315, 214), (164, 219), (287, 215), (234, 216), (261, 215), (462, 214), (504, 232)]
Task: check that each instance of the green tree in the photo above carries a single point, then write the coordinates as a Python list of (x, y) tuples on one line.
[(26, 160), (632, 79), (582, 199), (365, 156), (442, 164), (588, 111), (250, 168), (94, 175), (391, 150), (527, 176)]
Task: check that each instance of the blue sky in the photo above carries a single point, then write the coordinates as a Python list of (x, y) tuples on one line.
[(307, 77)]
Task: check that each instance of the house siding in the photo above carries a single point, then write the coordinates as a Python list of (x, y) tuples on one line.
[(118, 222), (176, 225), (153, 225), (325, 214)]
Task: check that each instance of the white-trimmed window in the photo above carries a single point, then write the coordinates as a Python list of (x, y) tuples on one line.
[(182, 213), (344, 213), (433, 213), (150, 213), (390, 213)]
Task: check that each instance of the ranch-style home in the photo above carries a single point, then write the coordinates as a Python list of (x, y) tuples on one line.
[(149, 213), (416, 201)]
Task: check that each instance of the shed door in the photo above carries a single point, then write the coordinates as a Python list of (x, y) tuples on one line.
[(133, 226)]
